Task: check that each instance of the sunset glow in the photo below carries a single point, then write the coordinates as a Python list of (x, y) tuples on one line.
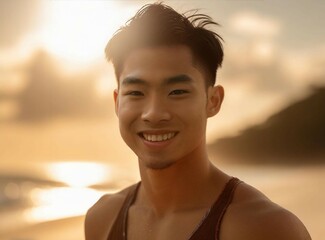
[(79, 174), (251, 23), (60, 141), (58, 203), (78, 30)]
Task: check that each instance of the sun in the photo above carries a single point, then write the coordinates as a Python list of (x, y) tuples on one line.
[(79, 30)]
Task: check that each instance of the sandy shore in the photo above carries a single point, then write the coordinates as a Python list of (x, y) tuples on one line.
[(66, 229)]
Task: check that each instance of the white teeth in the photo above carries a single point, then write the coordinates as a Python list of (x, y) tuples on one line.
[(158, 137)]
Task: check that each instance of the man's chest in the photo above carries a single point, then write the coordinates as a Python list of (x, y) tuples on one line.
[(143, 225)]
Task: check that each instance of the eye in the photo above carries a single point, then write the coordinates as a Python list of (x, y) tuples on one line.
[(134, 93), (178, 92)]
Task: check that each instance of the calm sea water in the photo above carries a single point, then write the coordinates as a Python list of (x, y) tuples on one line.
[(26, 203)]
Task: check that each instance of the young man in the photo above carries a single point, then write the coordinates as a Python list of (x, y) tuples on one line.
[(165, 65)]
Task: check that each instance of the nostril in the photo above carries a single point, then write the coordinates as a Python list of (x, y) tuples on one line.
[(156, 115)]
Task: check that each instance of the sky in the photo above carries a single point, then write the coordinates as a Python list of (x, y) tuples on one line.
[(52, 65), (274, 50)]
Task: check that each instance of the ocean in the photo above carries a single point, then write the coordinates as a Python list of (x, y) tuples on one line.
[(43, 209)]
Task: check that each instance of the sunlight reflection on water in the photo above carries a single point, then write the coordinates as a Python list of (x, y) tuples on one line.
[(60, 202), (26, 201), (79, 174), (73, 199), (65, 189)]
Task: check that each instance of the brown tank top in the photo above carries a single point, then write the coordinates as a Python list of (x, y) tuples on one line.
[(208, 229)]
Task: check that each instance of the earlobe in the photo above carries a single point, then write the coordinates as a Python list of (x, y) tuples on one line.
[(115, 95), (215, 99)]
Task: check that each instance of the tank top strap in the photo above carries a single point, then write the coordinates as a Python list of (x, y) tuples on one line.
[(225, 201), (118, 231), (209, 228)]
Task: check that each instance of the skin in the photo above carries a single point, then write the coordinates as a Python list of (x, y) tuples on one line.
[(162, 91)]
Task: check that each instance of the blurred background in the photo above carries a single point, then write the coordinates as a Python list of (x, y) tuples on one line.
[(60, 148)]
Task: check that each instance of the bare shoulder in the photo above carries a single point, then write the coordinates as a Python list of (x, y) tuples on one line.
[(101, 216), (255, 217)]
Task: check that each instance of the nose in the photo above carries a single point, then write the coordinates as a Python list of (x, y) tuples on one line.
[(155, 111)]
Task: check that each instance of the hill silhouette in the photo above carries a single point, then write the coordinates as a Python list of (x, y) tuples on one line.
[(296, 134)]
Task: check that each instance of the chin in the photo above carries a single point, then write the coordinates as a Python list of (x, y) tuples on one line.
[(158, 165)]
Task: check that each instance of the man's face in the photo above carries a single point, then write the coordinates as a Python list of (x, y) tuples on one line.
[(163, 104)]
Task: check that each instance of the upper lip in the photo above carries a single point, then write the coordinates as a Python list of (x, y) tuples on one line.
[(156, 132)]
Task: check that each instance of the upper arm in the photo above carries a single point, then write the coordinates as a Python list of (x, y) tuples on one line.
[(95, 224), (279, 224), (252, 216), (101, 216)]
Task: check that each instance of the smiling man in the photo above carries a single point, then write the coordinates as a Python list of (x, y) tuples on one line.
[(165, 65)]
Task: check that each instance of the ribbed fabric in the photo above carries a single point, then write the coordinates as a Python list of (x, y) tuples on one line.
[(208, 229)]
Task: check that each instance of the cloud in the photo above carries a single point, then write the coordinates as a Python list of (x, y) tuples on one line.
[(48, 92), (16, 19), (254, 24), (261, 76), (257, 60), (253, 55), (306, 66)]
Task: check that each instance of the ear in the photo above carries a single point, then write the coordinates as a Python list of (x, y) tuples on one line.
[(215, 99), (115, 94)]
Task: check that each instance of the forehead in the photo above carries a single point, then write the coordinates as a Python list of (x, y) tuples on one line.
[(155, 63)]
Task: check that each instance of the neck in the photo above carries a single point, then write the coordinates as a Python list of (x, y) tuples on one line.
[(189, 183)]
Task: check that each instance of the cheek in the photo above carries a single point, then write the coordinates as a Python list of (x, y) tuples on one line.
[(127, 115), (194, 109), (193, 115), (125, 110)]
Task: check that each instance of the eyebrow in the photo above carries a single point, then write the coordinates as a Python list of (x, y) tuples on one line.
[(133, 80), (183, 78)]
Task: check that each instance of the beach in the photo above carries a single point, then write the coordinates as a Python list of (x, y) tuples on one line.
[(299, 189), (64, 229)]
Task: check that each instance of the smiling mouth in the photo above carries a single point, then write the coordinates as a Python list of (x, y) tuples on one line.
[(158, 137)]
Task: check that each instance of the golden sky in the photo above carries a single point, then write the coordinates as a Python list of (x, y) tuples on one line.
[(55, 80), (273, 49)]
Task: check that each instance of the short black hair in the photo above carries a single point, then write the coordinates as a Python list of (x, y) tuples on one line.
[(157, 25)]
